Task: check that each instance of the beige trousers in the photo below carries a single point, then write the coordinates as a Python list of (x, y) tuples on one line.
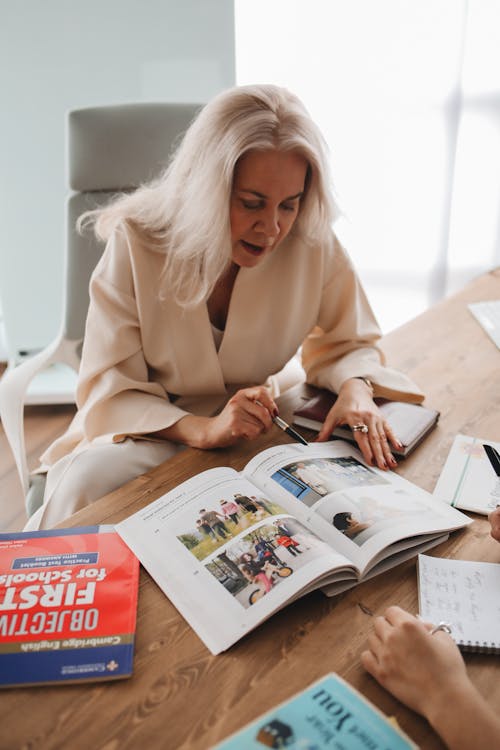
[(85, 475), (82, 477)]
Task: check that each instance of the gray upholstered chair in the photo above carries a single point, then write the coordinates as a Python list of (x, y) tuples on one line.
[(110, 149)]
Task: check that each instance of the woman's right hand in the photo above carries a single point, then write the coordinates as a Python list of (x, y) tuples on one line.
[(427, 673), (420, 669), (246, 415)]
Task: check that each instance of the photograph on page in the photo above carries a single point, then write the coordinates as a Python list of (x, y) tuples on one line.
[(256, 563), (360, 510), (249, 560)]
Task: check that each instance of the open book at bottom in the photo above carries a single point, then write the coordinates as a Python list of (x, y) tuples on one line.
[(231, 548), (328, 714)]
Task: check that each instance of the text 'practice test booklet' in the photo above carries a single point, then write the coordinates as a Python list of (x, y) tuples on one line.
[(328, 715), (468, 479), (68, 605), (231, 548)]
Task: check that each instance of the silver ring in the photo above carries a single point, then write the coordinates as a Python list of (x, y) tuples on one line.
[(360, 428), (444, 626)]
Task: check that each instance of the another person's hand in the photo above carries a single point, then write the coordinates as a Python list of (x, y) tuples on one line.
[(419, 669), (494, 519), (355, 406), (427, 673)]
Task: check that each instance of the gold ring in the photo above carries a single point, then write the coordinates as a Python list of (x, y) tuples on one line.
[(360, 428)]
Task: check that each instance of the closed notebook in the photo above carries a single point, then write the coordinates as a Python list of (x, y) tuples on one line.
[(465, 595), (68, 602), (410, 422)]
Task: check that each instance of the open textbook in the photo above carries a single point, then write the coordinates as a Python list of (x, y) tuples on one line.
[(231, 548)]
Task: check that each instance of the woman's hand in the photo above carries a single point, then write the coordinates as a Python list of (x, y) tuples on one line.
[(355, 406), (246, 415), (420, 669), (427, 673), (494, 519)]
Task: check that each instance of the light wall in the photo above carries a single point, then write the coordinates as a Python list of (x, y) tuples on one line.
[(57, 55)]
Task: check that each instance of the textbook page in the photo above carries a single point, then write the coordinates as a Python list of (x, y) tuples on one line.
[(364, 513), (227, 555)]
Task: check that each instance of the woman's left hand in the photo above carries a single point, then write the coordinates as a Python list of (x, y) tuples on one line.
[(355, 406)]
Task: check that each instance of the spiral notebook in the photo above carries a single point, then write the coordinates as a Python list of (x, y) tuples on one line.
[(464, 594)]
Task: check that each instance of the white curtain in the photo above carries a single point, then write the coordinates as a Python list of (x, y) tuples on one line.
[(407, 95)]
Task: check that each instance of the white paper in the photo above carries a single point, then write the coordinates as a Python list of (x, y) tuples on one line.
[(463, 594), (468, 480)]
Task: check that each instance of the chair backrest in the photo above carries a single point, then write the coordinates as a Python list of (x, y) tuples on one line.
[(111, 149)]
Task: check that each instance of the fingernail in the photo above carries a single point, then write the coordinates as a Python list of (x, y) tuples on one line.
[(275, 411)]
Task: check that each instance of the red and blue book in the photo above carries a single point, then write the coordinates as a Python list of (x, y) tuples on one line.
[(68, 606)]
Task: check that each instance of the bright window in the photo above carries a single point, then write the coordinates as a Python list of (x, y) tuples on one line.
[(408, 97)]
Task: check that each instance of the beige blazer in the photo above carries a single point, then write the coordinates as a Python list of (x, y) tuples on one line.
[(147, 363)]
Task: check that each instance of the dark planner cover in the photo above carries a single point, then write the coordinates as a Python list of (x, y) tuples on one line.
[(410, 422)]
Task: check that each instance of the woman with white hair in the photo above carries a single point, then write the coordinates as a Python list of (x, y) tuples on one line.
[(213, 276)]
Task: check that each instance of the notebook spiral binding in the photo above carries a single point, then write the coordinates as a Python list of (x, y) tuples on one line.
[(484, 647)]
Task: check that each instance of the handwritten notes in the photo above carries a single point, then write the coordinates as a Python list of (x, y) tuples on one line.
[(464, 594)]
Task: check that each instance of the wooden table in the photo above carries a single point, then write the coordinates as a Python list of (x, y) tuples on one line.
[(180, 696)]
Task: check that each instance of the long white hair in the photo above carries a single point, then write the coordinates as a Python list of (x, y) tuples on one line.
[(185, 211)]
